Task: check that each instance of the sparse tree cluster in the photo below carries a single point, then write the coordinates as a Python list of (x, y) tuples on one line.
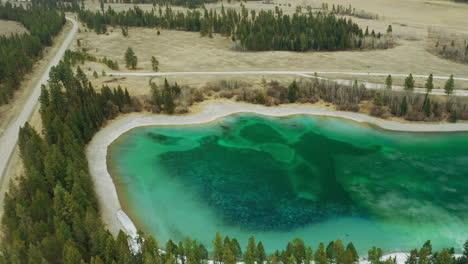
[(74, 57), (164, 99), (453, 49), (265, 30), (427, 255), (349, 11), (448, 44)]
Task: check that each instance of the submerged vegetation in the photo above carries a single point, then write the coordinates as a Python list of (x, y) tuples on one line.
[(19, 52), (265, 30)]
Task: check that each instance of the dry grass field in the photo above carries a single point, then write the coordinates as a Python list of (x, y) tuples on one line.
[(187, 51), (11, 27)]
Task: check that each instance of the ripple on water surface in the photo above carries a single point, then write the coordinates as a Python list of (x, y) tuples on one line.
[(320, 179)]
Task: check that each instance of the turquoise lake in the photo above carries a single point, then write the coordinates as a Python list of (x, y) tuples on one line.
[(316, 178)]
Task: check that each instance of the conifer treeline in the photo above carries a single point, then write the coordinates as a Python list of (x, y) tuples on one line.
[(19, 52), (267, 30), (51, 215), (185, 3)]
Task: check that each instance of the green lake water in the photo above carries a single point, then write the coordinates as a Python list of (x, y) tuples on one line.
[(317, 178)]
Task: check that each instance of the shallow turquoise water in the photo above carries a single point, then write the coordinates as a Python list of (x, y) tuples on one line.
[(320, 179)]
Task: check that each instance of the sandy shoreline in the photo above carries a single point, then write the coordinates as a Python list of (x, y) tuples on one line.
[(111, 211)]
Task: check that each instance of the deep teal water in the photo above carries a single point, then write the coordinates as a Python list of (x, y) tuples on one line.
[(320, 179)]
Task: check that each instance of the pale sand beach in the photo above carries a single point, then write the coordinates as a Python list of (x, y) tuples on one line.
[(111, 211)]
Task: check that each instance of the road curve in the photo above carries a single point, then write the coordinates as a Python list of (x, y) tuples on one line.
[(10, 137)]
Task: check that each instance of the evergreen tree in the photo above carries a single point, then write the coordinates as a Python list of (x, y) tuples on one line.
[(181, 253), (228, 256), (291, 260), (374, 255), (150, 250), (404, 107), (388, 82), (81, 75), (321, 255), (71, 255), (389, 29), (155, 64), (330, 251), (131, 59), (299, 250), (444, 257), (449, 85), (413, 257), (292, 92), (261, 255), (227, 242), (250, 254), (190, 247), (427, 105), (429, 83), (409, 83), (309, 256), (202, 253), (464, 258), (156, 96), (236, 249), (338, 252), (170, 259), (350, 247), (290, 251), (465, 249), (348, 257), (378, 99), (169, 104), (273, 259), (218, 248), (389, 261), (171, 248), (125, 31)]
